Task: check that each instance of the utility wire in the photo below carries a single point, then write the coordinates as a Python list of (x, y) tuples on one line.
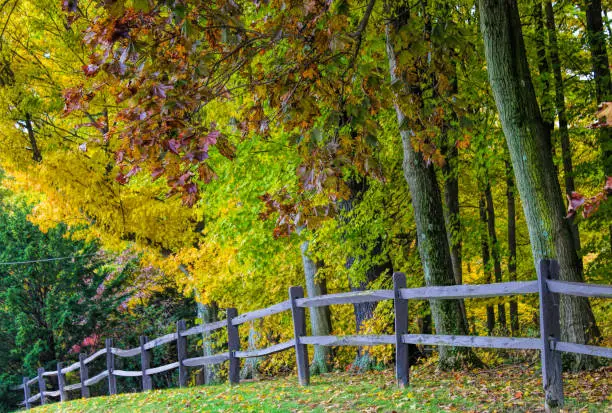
[(45, 260)]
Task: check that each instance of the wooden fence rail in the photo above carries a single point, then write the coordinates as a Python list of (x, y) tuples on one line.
[(547, 286)]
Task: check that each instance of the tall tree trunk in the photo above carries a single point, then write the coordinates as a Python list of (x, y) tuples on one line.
[(208, 313), (603, 84), (320, 320), (429, 217), (566, 151), (511, 206), (501, 311), (601, 69), (451, 215), (529, 146), (486, 259), (249, 367), (451, 198), (548, 114)]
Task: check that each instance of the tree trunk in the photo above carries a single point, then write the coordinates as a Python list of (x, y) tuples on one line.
[(486, 260), (510, 188), (249, 368), (566, 151), (320, 321), (601, 69), (451, 198), (529, 146), (548, 114), (208, 313), (603, 84), (501, 311), (429, 217)]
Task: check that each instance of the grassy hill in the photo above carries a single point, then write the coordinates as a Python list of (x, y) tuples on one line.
[(507, 388)]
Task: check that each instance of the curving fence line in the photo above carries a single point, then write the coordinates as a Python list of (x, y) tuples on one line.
[(547, 286)]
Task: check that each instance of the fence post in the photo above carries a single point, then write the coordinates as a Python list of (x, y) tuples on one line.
[(26, 393), (233, 344), (41, 385), (110, 366), (550, 331), (84, 375), (61, 383), (181, 349), (145, 363), (299, 330), (402, 350)]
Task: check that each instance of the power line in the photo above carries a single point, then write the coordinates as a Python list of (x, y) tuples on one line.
[(45, 260)]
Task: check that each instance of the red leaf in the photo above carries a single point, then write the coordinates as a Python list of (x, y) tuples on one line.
[(173, 146), (122, 179), (574, 201), (157, 172), (160, 90), (90, 70)]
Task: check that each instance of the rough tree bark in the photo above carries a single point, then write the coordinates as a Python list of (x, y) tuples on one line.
[(429, 217), (486, 259), (320, 320), (548, 114), (208, 313), (511, 206), (501, 310), (566, 151), (529, 144), (596, 38)]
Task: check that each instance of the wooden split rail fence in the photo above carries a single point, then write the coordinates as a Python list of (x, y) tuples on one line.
[(548, 286)]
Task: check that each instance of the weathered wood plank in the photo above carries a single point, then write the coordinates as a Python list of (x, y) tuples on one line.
[(254, 315), (20, 387), (71, 387), (181, 350), (233, 345), (126, 353), (96, 378), (471, 291), (110, 367), (41, 385), (72, 367), (353, 297), (360, 340), (127, 373), (163, 368), (95, 356), (49, 373), (582, 349), (32, 380), (579, 289), (61, 383), (299, 331), (168, 338), (26, 393), (145, 364), (55, 393), (402, 350), (84, 375), (550, 329), (34, 398), (203, 328), (204, 361), (473, 341), (265, 351)]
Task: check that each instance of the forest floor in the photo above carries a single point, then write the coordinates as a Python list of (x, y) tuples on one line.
[(514, 388)]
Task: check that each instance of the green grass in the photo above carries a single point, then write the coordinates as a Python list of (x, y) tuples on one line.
[(508, 388)]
